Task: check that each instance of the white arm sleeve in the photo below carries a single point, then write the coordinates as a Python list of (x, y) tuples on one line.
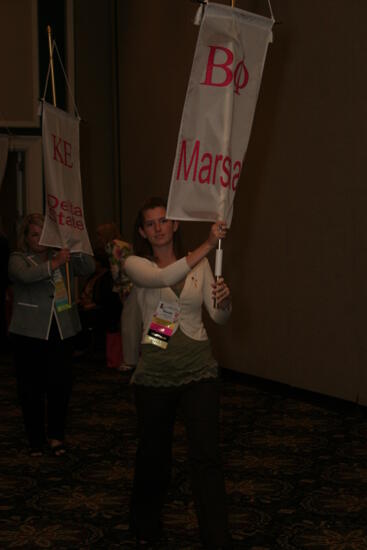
[(142, 272)]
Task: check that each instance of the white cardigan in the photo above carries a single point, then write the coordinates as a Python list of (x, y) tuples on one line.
[(153, 285)]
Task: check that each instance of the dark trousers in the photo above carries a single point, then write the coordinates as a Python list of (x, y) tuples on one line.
[(44, 379), (156, 410)]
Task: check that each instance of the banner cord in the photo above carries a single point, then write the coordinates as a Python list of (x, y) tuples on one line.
[(43, 98), (67, 81), (271, 11), (199, 14), (54, 46)]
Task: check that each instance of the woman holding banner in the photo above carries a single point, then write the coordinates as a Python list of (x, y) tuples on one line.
[(176, 370), (42, 325)]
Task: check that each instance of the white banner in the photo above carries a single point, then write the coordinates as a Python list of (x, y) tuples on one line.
[(64, 219), (4, 148), (218, 113)]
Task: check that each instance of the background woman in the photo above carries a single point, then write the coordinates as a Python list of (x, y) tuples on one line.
[(108, 236), (176, 369), (99, 308), (42, 325)]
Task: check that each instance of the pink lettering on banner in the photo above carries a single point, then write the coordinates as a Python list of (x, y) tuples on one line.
[(195, 155), (207, 167), (62, 151), (57, 153), (64, 212), (239, 76), (67, 154), (52, 201), (211, 64), (227, 169)]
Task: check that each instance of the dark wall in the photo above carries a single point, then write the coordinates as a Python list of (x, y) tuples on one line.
[(296, 254), (52, 14), (95, 81), (156, 46)]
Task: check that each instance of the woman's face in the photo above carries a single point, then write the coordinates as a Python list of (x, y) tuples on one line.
[(156, 228), (33, 238)]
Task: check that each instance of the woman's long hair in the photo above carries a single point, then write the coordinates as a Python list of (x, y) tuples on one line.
[(108, 232), (30, 219), (142, 247)]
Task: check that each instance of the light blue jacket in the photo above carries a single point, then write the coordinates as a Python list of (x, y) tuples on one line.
[(34, 294)]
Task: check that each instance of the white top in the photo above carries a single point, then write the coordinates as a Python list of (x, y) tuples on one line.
[(153, 285)]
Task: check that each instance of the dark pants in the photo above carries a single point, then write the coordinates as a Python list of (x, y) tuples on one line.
[(44, 378), (156, 409)]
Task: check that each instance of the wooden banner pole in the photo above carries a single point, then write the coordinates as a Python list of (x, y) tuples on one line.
[(50, 48)]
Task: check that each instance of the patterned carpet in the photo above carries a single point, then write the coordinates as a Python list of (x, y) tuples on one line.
[(295, 463)]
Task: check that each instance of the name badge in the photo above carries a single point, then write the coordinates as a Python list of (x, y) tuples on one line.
[(163, 324), (61, 295)]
